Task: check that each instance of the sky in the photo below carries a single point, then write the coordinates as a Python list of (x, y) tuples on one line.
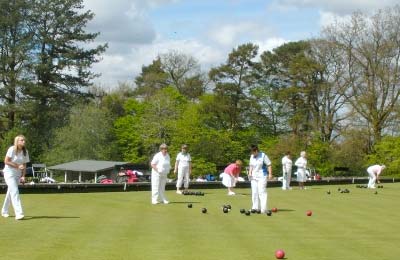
[(137, 31)]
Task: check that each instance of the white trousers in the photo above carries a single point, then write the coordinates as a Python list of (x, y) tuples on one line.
[(259, 193), (372, 179), (158, 182), (287, 175), (12, 195), (183, 177)]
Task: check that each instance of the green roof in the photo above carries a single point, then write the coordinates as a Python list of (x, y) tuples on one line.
[(87, 166)]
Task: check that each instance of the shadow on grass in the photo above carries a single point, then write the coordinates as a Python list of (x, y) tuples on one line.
[(47, 217), (183, 202), (279, 210)]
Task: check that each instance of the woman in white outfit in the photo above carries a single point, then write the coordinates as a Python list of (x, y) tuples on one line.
[(161, 166), (14, 171), (373, 172), (301, 164), (258, 167), (183, 166), (286, 171)]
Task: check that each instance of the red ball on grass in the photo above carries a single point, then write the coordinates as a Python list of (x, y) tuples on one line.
[(279, 254)]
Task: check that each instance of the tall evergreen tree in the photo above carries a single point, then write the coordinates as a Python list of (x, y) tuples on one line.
[(233, 81), (15, 45)]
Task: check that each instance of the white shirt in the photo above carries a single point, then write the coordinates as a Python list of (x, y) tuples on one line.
[(287, 164), (377, 169), (183, 159), (256, 163), (162, 163), (301, 163), (17, 158)]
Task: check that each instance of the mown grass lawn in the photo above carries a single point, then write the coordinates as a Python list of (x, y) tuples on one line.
[(359, 225)]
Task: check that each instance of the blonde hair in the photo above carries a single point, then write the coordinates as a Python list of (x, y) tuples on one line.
[(239, 162), (163, 146), (16, 139)]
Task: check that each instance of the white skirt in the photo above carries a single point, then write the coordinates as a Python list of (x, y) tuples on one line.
[(228, 180), (301, 175)]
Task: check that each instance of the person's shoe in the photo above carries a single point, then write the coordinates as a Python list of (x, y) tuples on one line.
[(231, 193), (5, 215), (165, 201), (19, 217), (154, 202), (178, 192)]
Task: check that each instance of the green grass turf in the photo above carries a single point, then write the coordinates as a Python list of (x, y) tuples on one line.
[(358, 225)]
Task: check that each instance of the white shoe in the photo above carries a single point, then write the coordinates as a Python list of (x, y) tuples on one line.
[(19, 217), (155, 202), (178, 192), (231, 193), (165, 201), (5, 215)]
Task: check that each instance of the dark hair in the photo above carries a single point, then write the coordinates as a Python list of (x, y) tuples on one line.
[(288, 153), (254, 148)]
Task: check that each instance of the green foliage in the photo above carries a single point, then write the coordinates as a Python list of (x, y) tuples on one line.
[(351, 151), (387, 152), (202, 167), (319, 156), (128, 132), (87, 136)]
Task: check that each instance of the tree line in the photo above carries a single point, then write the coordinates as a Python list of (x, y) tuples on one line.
[(335, 96)]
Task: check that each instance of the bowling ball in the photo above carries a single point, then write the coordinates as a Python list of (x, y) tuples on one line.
[(279, 254)]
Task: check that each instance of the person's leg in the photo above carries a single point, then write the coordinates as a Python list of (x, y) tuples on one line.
[(186, 178), (6, 204), (155, 180), (12, 183), (232, 184), (372, 180), (262, 191), (179, 181), (161, 190), (288, 180), (284, 180), (254, 194)]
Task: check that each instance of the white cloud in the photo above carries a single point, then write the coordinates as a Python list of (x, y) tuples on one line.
[(341, 7), (125, 67), (269, 44), (233, 33), (328, 18)]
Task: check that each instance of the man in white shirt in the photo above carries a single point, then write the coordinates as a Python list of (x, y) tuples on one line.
[(286, 171), (183, 166)]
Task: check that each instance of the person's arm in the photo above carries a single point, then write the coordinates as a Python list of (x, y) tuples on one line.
[(7, 161), (22, 167), (154, 167), (270, 172), (250, 170), (176, 166)]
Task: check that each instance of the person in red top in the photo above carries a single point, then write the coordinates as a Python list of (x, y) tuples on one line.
[(230, 175)]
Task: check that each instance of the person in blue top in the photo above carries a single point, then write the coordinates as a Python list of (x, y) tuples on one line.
[(260, 170)]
